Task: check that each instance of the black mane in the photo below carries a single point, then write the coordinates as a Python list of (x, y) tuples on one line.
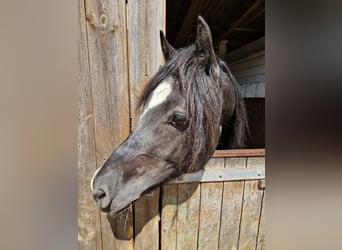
[(204, 103)]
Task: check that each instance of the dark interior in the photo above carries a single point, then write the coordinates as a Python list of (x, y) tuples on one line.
[(234, 24)]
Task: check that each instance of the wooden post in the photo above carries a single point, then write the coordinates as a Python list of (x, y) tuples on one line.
[(89, 232), (144, 20), (106, 106)]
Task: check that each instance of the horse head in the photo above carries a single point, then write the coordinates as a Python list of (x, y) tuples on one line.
[(181, 110)]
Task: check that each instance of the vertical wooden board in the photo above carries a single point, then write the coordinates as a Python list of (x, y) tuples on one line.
[(261, 244), (89, 234), (210, 210), (251, 208), (169, 217), (231, 207), (218, 162), (146, 221), (122, 228), (188, 214), (144, 20), (106, 30), (256, 162)]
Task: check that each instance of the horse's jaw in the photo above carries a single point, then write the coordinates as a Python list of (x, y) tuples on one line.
[(133, 189)]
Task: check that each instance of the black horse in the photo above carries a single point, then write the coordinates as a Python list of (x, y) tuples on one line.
[(185, 107)]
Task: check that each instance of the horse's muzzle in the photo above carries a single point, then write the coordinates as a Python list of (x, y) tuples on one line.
[(102, 199)]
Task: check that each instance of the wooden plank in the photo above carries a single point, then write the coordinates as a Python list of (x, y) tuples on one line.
[(89, 234), (251, 208), (146, 221), (246, 50), (255, 70), (247, 64), (259, 78), (248, 57), (106, 28), (144, 20), (169, 217), (122, 228), (241, 19), (239, 153), (253, 90), (261, 244), (188, 214), (231, 207), (210, 210)]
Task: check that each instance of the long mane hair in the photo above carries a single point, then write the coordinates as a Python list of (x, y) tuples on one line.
[(204, 102)]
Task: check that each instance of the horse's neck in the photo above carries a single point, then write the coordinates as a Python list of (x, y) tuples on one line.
[(228, 93)]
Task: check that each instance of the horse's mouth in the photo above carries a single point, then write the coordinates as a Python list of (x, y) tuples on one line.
[(115, 213)]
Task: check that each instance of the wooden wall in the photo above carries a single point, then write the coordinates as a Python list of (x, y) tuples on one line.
[(248, 67), (216, 215), (118, 51), (249, 71)]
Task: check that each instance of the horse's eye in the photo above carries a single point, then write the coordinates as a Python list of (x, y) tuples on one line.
[(179, 121)]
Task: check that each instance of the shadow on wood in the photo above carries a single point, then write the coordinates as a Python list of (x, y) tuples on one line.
[(171, 204)]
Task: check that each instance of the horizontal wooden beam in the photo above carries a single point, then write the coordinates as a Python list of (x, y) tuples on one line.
[(239, 153), (241, 19), (215, 175), (250, 48)]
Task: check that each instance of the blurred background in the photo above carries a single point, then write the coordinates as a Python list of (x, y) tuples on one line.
[(38, 132)]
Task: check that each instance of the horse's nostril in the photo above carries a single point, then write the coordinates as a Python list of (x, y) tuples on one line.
[(99, 194)]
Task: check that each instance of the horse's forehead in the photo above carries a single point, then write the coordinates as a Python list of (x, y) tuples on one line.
[(159, 95)]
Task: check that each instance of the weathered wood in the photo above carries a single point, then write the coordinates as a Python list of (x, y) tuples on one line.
[(106, 30), (253, 89), (210, 210), (168, 232), (146, 221), (187, 216), (231, 207), (247, 63), (239, 21), (261, 244), (251, 208), (251, 56), (246, 50), (254, 70), (89, 234), (238, 153), (144, 20)]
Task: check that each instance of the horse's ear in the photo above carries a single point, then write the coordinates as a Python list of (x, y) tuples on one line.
[(204, 47), (167, 49)]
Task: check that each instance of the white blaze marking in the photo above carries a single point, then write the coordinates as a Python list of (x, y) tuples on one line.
[(92, 179), (159, 95)]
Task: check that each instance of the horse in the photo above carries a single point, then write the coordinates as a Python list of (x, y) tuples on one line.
[(184, 110)]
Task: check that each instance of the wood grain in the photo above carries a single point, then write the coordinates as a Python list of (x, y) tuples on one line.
[(144, 20), (146, 221), (188, 214), (89, 234), (238, 153), (210, 210), (251, 208), (106, 32), (231, 207), (168, 231)]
